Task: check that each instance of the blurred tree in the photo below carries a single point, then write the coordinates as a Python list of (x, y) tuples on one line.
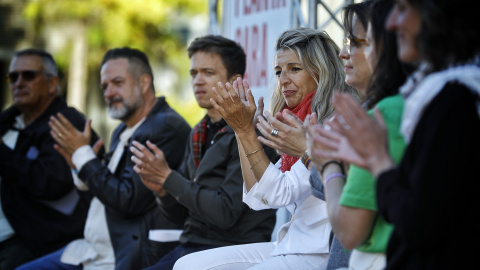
[(160, 28), (149, 25)]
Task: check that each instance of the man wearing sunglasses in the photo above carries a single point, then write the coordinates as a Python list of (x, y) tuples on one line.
[(123, 210), (40, 209)]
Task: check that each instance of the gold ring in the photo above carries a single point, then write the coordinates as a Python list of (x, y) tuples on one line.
[(60, 134)]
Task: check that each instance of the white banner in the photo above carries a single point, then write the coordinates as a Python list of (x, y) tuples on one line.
[(256, 25)]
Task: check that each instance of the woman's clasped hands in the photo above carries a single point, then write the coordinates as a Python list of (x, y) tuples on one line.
[(351, 135), (289, 137), (236, 104)]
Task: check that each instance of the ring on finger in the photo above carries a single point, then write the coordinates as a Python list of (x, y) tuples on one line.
[(60, 134), (274, 132), (342, 122)]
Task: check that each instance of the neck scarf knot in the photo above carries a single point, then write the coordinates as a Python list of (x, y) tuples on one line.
[(301, 110)]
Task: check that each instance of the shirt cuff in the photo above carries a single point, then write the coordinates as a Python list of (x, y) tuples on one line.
[(252, 201), (82, 155), (78, 182)]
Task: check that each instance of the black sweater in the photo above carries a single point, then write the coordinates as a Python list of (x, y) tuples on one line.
[(431, 197)]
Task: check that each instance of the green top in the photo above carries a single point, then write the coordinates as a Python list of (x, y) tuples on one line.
[(360, 188)]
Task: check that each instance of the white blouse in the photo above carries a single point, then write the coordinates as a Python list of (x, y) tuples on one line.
[(308, 230)]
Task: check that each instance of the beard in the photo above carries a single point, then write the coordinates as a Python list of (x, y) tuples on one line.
[(124, 112)]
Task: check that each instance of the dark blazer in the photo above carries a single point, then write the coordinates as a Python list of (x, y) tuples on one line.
[(208, 199), (130, 207), (431, 197), (34, 176)]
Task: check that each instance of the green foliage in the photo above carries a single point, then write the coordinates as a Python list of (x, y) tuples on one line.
[(189, 109), (149, 25), (153, 26)]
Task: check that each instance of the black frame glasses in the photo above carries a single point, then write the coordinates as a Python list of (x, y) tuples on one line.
[(348, 43), (27, 75)]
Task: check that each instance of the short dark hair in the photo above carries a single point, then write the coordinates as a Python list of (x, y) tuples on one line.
[(232, 54), (49, 64), (138, 61), (362, 11)]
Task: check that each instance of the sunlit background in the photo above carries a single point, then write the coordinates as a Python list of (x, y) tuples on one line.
[(78, 33)]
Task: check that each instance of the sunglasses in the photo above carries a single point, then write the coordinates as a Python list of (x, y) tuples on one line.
[(27, 75)]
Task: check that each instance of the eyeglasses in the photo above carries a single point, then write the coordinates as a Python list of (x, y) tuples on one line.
[(27, 75), (348, 43)]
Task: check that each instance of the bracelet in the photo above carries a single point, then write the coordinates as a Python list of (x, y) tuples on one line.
[(307, 163), (306, 159), (333, 176), (251, 153), (339, 163), (256, 163)]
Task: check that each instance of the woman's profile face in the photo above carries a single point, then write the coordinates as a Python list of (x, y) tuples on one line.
[(405, 20), (356, 67), (295, 82)]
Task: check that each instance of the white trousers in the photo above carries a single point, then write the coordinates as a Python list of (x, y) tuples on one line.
[(366, 261), (250, 256)]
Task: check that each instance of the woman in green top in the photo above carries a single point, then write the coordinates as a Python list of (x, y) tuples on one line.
[(352, 203)]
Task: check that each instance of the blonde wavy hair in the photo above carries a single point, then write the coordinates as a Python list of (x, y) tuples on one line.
[(318, 55)]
